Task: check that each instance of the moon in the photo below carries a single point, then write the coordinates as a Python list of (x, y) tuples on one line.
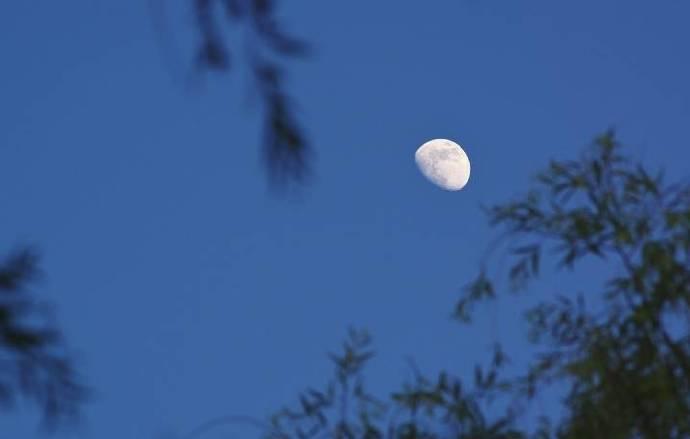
[(444, 163)]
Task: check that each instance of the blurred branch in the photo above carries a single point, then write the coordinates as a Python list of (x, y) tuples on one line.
[(287, 153), (34, 362)]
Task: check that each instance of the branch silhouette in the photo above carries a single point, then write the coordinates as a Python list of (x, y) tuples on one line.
[(35, 363), (286, 150)]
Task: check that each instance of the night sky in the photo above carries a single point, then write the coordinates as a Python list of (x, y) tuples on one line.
[(188, 289)]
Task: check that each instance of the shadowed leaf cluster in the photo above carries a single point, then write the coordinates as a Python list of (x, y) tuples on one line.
[(33, 359), (424, 408), (627, 371), (286, 150)]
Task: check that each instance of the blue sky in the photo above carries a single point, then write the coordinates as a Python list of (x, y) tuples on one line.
[(188, 291)]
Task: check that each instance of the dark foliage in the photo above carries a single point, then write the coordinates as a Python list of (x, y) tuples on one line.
[(627, 373), (287, 152), (424, 408), (33, 358)]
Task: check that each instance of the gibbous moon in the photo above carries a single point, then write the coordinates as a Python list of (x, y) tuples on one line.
[(444, 163)]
